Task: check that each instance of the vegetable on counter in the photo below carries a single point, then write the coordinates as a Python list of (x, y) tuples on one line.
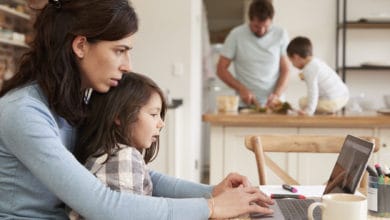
[(277, 108)]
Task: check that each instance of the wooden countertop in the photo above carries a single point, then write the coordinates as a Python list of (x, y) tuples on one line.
[(361, 120)]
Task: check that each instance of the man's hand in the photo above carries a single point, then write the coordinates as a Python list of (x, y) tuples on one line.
[(272, 100), (247, 96)]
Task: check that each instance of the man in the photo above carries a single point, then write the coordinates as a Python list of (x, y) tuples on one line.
[(258, 51)]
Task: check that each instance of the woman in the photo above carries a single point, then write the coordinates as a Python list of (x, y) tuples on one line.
[(78, 45)]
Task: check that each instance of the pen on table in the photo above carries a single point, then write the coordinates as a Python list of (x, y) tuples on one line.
[(371, 171), (287, 196), (289, 188), (378, 169)]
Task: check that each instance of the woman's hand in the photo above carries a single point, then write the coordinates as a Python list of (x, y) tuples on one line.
[(238, 201), (233, 180)]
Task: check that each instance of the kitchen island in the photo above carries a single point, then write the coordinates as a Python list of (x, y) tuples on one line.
[(228, 153)]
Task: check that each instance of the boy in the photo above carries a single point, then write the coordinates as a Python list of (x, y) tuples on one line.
[(326, 92)]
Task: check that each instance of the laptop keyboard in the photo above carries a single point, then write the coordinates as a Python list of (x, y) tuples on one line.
[(296, 209)]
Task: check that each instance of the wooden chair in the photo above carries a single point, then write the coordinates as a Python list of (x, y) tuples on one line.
[(259, 144)]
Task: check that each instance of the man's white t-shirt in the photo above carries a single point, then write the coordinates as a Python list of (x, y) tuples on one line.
[(256, 60)]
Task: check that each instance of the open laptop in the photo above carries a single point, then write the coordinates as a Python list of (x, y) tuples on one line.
[(345, 177)]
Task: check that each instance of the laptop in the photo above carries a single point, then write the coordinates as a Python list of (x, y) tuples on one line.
[(345, 178)]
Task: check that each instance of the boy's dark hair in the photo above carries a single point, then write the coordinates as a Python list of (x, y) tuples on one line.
[(51, 61), (99, 134), (261, 9), (300, 46)]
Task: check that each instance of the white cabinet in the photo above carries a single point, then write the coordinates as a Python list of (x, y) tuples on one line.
[(228, 153)]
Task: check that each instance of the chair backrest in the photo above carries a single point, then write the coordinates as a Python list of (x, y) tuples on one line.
[(259, 144)]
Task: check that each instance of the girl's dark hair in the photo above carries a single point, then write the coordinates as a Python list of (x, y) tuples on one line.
[(99, 134), (51, 62), (261, 9), (300, 46)]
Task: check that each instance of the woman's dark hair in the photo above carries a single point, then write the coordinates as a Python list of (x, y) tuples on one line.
[(51, 62), (100, 134), (261, 9), (300, 46)]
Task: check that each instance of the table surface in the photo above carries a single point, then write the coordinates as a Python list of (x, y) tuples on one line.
[(309, 191), (367, 119)]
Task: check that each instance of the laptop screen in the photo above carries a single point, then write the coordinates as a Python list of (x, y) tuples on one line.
[(350, 166)]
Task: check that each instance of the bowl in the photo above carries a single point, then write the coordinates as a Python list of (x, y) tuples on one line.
[(386, 99), (227, 103)]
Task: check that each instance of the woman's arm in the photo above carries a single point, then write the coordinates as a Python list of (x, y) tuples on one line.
[(167, 186), (31, 133)]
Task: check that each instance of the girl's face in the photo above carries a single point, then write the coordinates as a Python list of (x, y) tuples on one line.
[(147, 128), (103, 63)]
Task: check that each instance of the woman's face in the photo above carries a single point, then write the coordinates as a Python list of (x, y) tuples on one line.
[(147, 128), (103, 63)]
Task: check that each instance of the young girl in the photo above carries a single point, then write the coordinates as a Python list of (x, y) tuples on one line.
[(121, 134)]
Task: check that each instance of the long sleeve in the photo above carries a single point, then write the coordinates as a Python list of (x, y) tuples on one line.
[(38, 172), (311, 80), (166, 186)]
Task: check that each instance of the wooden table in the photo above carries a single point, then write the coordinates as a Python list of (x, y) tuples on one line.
[(359, 120)]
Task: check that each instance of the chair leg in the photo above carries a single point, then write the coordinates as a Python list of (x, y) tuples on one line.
[(259, 153), (280, 172)]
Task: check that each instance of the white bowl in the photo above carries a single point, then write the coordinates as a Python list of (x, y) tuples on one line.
[(386, 99)]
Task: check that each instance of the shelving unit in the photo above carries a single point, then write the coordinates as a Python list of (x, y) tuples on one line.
[(15, 25), (343, 24), (13, 43), (4, 9)]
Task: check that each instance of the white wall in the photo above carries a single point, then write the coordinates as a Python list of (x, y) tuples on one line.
[(167, 48)]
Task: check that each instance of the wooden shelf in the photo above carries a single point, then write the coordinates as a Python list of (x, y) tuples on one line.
[(11, 2), (365, 25), (343, 24), (383, 68), (13, 43), (12, 12)]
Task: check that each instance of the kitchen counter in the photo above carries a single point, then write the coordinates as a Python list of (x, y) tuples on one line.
[(366, 119), (228, 131)]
